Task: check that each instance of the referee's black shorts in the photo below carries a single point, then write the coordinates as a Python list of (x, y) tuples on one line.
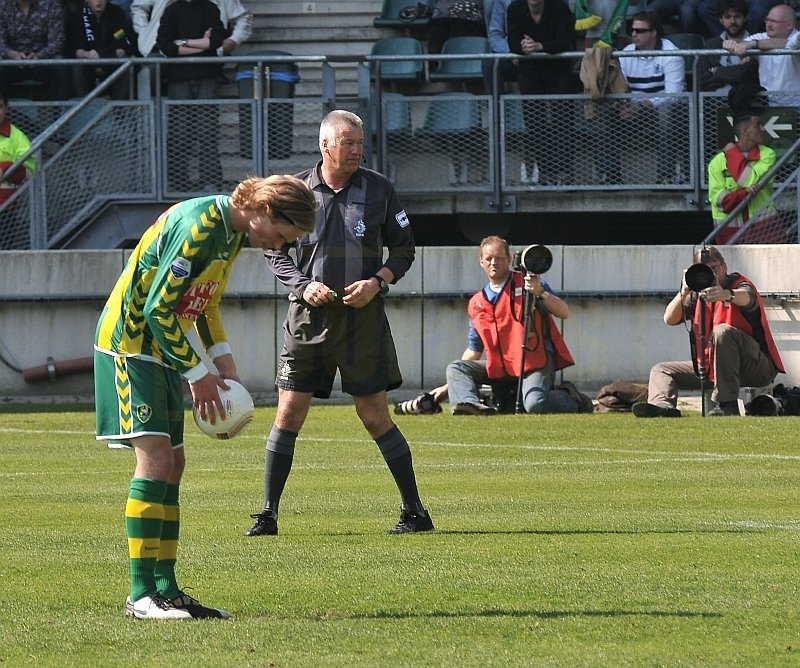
[(357, 342)]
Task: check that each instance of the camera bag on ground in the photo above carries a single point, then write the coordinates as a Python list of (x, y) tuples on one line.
[(620, 396), (789, 397)]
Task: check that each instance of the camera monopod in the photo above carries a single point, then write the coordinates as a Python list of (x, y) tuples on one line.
[(534, 259), (699, 277)]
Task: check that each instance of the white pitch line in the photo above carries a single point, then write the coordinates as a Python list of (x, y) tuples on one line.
[(672, 456), (573, 448)]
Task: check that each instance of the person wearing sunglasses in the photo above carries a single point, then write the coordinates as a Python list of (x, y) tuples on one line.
[(650, 81)]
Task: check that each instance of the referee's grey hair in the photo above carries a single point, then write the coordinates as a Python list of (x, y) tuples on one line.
[(335, 120)]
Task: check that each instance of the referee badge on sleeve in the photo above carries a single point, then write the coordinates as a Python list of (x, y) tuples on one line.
[(402, 219)]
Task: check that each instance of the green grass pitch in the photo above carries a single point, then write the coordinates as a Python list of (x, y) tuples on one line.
[(580, 540)]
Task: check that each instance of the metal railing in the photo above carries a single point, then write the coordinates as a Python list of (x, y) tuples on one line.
[(94, 151)]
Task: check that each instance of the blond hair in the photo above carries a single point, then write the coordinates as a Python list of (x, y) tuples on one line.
[(280, 196), (491, 241)]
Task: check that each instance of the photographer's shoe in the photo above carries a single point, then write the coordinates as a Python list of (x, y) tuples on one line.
[(724, 409), (644, 410), (414, 520), (266, 525), (466, 408), (583, 401)]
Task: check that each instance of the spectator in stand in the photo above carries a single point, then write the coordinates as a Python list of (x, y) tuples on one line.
[(99, 30), (733, 175), (507, 70), (238, 21), (146, 16), (730, 74), (545, 26), (778, 73), (648, 77), (13, 145), (33, 30), (192, 28), (759, 9)]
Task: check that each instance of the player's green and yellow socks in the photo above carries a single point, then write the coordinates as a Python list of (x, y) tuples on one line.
[(144, 520), (168, 548)]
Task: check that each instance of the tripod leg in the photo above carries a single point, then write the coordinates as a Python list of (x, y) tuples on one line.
[(526, 312)]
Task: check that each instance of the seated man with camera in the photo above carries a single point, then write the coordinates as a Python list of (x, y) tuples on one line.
[(731, 341), (498, 327)]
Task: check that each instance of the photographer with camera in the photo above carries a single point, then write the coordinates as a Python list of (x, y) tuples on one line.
[(730, 336), (497, 327)]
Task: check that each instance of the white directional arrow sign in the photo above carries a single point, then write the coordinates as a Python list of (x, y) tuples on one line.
[(772, 126)]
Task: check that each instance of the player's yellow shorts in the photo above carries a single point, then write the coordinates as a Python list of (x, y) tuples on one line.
[(136, 397)]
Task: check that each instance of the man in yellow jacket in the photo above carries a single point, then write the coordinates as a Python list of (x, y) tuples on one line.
[(14, 143), (733, 174)]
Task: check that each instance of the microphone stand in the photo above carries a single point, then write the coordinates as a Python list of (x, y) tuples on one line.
[(528, 302)]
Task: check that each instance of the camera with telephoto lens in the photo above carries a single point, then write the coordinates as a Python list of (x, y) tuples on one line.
[(424, 404), (535, 259), (700, 276)]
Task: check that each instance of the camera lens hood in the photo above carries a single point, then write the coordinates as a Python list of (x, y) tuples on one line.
[(699, 277), (536, 259)]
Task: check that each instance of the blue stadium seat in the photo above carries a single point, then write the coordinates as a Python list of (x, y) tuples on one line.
[(454, 130), (451, 115), (398, 70), (461, 70), (396, 116)]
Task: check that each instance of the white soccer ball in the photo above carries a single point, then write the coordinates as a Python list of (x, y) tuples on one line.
[(239, 411)]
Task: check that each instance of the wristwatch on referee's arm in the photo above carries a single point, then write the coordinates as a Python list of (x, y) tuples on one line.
[(384, 286)]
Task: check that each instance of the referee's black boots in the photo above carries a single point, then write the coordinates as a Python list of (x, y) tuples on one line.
[(413, 519), (266, 524)]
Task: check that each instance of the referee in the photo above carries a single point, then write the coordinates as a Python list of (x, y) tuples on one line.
[(336, 317)]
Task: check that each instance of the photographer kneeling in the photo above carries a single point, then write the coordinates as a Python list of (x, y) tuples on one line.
[(497, 326), (735, 349)]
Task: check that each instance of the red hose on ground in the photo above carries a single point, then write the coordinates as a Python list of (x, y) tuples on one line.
[(53, 369)]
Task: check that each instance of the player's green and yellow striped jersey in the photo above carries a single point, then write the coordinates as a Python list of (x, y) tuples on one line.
[(174, 279)]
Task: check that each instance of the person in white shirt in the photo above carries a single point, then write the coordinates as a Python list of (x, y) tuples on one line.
[(649, 78), (779, 73)]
